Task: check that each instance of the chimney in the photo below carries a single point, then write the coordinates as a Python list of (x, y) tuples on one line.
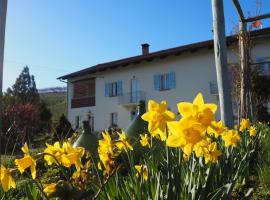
[(145, 49)]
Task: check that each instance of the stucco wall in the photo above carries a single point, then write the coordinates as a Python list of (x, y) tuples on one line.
[(193, 73)]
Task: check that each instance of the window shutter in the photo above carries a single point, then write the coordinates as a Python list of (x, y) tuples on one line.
[(172, 80), (107, 89), (119, 88), (168, 81), (213, 88), (157, 82)]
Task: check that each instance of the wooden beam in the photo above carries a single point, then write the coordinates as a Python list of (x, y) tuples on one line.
[(245, 72), (220, 48), (252, 19), (239, 10)]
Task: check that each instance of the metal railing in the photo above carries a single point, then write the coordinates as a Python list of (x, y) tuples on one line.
[(131, 97)]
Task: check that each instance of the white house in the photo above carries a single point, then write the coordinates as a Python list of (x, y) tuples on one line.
[(108, 93)]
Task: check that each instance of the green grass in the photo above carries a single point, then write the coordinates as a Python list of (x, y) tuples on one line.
[(262, 191), (56, 102)]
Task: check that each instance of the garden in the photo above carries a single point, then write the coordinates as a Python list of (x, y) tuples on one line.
[(191, 156)]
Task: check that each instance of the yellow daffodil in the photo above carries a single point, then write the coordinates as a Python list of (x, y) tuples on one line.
[(185, 134), (7, 181), (106, 154), (72, 156), (66, 155), (26, 162), (231, 138), (201, 148), (56, 151), (142, 171), (50, 189), (144, 140), (244, 124), (201, 112), (122, 142), (212, 154), (252, 131), (216, 128), (157, 117)]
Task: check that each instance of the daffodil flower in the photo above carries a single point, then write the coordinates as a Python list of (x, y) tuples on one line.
[(144, 140), (252, 131), (7, 181), (157, 117), (142, 171), (231, 138), (26, 162), (244, 124), (201, 112), (185, 134)]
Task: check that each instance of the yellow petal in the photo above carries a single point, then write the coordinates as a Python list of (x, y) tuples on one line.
[(168, 115), (211, 106), (188, 149), (174, 127), (198, 100), (175, 141), (163, 106), (152, 105), (147, 116), (25, 149), (33, 171), (187, 109)]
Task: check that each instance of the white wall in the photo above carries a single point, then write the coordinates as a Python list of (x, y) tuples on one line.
[(193, 71)]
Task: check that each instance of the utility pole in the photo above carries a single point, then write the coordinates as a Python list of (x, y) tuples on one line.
[(3, 13), (220, 48)]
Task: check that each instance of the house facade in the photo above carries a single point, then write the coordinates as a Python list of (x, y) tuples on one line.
[(107, 94)]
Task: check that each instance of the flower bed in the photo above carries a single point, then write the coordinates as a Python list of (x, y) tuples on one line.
[(195, 157)]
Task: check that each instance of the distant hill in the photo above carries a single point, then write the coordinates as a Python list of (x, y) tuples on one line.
[(52, 90), (56, 102)]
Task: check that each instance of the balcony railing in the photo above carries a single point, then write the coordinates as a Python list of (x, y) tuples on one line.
[(131, 98)]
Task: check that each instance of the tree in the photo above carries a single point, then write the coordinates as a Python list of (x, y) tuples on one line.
[(63, 129), (20, 123), (24, 88), (44, 116)]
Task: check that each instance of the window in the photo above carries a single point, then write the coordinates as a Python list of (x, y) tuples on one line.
[(83, 93), (84, 88), (164, 81), (113, 89), (114, 119)]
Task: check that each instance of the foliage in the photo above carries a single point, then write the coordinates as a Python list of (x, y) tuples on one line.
[(264, 172), (22, 118), (63, 130), (44, 117), (25, 115), (261, 91), (24, 88)]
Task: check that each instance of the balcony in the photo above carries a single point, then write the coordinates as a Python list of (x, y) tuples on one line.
[(131, 99)]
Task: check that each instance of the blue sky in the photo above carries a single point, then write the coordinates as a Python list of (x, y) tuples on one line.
[(56, 37)]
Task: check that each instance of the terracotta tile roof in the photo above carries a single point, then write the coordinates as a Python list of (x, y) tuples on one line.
[(161, 54)]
